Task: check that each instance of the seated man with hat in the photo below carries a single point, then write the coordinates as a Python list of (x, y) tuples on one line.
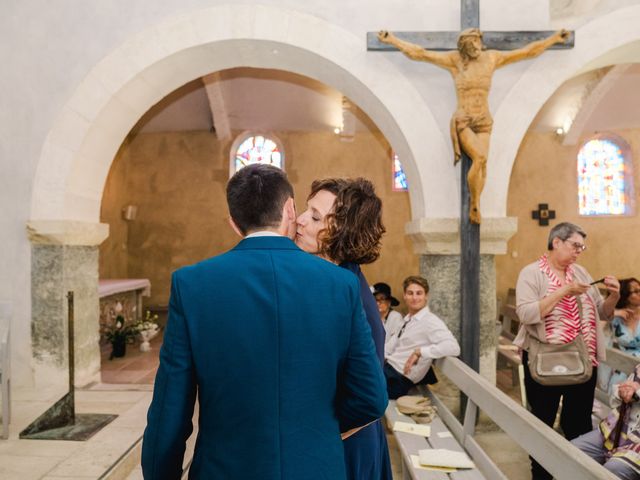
[(390, 318)]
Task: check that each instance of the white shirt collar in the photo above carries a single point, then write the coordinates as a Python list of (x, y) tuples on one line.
[(263, 233), (418, 314)]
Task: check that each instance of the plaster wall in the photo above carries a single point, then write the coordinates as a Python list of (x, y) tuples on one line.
[(177, 181), (545, 172), (56, 100)]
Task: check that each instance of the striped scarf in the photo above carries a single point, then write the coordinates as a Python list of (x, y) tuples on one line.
[(569, 317)]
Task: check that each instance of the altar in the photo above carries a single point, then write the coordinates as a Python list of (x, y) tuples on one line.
[(124, 294)]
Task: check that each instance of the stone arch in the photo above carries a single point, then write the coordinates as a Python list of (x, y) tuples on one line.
[(84, 139), (596, 46)]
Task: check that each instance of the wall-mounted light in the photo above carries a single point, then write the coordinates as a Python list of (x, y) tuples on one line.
[(129, 212), (337, 130), (348, 130)]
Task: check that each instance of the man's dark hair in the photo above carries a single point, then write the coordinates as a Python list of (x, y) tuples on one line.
[(256, 195)]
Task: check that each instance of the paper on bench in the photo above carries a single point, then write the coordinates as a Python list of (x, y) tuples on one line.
[(441, 457), (416, 429), (415, 459)]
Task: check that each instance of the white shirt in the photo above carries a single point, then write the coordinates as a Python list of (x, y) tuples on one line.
[(393, 323), (423, 330)]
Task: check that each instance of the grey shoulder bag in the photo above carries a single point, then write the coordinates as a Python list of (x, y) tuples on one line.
[(564, 364)]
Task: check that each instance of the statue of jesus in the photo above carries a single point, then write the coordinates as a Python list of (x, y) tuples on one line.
[(472, 68)]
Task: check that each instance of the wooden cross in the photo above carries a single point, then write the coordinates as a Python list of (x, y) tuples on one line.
[(469, 231), (469, 18), (543, 214)]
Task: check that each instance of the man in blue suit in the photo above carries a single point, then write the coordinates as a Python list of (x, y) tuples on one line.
[(274, 343)]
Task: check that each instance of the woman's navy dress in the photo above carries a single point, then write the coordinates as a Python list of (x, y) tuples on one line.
[(366, 453)]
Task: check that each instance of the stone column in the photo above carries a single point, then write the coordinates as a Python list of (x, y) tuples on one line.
[(438, 242), (64, 257)]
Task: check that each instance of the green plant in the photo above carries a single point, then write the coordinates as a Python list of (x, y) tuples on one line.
[(119, 331)]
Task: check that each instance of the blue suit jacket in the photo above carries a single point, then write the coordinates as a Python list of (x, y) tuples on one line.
[(275, 344)]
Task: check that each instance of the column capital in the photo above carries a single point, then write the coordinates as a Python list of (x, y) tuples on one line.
[(66, 232), (441, 236)]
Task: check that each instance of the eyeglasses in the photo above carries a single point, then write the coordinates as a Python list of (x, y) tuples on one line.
[(578, 247)]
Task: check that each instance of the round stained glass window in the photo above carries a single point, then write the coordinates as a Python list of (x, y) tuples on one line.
[(257, 149)]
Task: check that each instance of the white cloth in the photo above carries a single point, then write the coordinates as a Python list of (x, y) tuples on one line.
[(426, 331), (393, 323), (121, 285)]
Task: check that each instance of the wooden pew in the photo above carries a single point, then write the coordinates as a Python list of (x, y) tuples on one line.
[(554, 452), (507, 351), (410, 444), (551, 450)]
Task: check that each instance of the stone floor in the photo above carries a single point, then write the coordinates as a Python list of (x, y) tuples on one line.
[(126, 390), (56, 459)]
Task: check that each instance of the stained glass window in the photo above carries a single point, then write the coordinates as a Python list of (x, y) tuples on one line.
[(257, 149), (602, 178), (399, 177)]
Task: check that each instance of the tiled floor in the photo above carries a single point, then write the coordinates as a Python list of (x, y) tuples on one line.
[(135, 367)]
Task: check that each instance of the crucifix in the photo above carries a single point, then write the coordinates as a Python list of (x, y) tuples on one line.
[(465, 56), (543, 214)]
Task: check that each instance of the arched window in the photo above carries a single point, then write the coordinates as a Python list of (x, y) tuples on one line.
[(399, 177), (256, 148), (605, 179)]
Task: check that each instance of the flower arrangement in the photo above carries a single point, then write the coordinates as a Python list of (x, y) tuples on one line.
[(119, 333), (150, 322), (147, 329)]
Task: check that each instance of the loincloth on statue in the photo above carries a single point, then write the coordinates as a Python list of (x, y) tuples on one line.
[(478, 124)]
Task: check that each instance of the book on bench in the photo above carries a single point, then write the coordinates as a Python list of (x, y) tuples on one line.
[(441, 457)]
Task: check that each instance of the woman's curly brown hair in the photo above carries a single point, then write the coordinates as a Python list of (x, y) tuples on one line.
[(354, 226)]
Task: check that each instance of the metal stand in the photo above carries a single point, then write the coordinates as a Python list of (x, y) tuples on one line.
[(60, 421)]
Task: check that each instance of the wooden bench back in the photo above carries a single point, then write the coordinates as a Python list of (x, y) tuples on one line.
[(550, 449)]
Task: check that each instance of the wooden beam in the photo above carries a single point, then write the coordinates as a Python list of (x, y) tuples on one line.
[(469, 14), (440, 41), (469, 275), (221, 124)]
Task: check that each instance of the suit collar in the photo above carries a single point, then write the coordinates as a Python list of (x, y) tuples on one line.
[(268, 242)]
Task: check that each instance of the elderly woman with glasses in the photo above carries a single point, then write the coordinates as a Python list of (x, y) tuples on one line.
[(556, 301)]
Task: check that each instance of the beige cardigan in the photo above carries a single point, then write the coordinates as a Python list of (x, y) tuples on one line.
[(532, 286)]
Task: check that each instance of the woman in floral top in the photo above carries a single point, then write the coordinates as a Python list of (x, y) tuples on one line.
[(627, 320), (625, 331)]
